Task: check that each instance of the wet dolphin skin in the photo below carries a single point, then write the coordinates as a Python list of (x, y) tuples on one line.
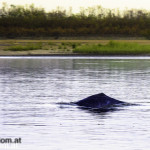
[(98, 101)]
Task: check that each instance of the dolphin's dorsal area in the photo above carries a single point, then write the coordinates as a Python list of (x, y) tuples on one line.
[(99, 101)]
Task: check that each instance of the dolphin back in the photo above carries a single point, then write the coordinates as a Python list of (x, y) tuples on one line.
[(98, 101)]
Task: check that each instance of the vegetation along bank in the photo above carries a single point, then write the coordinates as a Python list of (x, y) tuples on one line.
[(29, 21), (74, 47)]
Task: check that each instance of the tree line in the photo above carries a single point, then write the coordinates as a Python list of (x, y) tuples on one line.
[(30, 21)]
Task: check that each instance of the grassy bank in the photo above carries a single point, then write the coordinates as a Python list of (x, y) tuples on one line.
[(74, 47), (37, 47), (114, 48), (25, 47)]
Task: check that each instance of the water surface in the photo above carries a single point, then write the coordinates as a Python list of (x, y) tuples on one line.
[(31, 87)]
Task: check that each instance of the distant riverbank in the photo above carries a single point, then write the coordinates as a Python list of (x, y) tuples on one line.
[(30, 21), (47, 47)]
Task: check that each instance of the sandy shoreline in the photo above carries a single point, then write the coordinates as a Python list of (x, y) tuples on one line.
[(55, 47), (76, 55)]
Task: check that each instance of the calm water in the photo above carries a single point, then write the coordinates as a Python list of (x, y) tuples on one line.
[(31, 87)]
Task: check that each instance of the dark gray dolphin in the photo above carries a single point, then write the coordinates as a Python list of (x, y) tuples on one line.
[(99, 101)]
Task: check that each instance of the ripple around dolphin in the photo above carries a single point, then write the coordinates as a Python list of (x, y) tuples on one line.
[(98, 103)]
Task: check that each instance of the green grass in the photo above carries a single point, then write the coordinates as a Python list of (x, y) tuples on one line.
[(114, 48), (25, 47), (60, 47), (51, 43)]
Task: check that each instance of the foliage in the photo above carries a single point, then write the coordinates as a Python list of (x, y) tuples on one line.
[(29, 21)]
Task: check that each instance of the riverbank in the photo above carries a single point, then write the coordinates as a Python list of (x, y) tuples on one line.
[(14, 47), (114, 48)]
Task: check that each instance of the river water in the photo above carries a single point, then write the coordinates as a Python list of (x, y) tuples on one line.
[(32, 87)]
